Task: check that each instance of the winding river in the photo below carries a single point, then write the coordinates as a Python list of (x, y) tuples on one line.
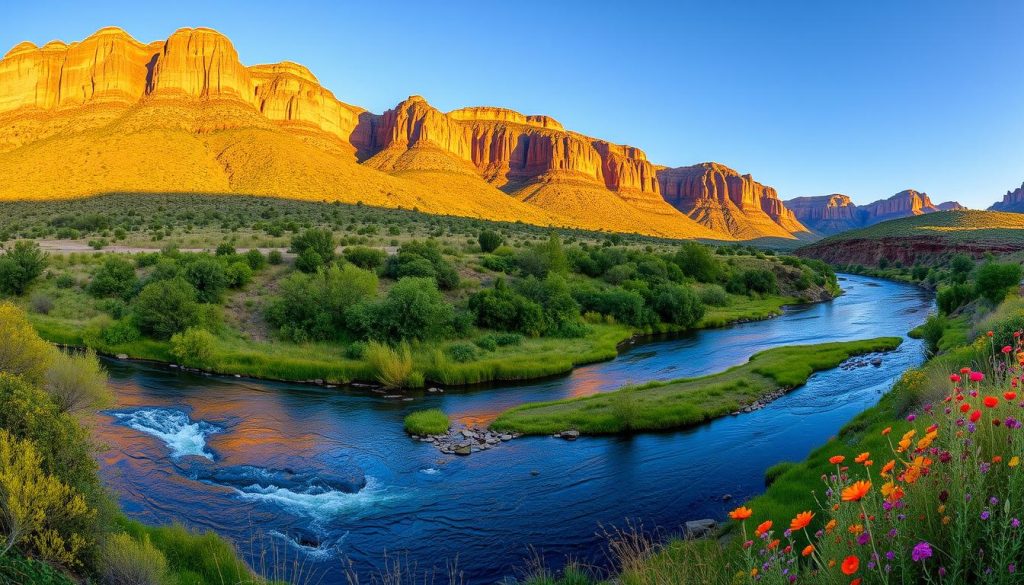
[(325, 475)]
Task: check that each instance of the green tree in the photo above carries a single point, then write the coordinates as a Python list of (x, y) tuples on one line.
[(678, 305), (166, 307), (994, 280), (697, 262), (960, 266), (314, 307), (115, 278), (413, 309), (209, 278), (20, 266), (504, 309), (365, 257), (315, 248)]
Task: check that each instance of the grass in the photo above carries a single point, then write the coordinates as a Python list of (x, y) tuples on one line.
[(958, 226), (747, 309), (686, 402), (427, 422)]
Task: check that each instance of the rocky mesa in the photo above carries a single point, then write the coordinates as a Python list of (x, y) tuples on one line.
[(1013, 201), (831, 214), (111, 114)]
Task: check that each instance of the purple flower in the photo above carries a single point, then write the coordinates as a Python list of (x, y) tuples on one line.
[(889, 555), (911, 417), (921, 552), (993, 501), (863, 538), (1012, 568), (1015, 523), (985, 515), (942, 571)]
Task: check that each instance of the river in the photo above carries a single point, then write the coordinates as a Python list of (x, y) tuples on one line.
[(322, 475)]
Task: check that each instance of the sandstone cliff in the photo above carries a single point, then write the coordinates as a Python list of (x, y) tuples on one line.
[(185, 114), (721, 198), (1012, 201), (831, 214)]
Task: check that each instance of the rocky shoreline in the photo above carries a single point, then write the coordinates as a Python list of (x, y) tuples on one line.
[(466, 441)]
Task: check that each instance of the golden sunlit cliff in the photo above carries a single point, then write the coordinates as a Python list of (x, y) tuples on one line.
[(184, 115)]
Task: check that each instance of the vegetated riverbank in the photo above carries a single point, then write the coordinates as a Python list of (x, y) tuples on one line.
[(686, 402)]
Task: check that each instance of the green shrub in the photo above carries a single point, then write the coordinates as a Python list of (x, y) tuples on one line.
[(65, 281), (315, 249), (506, 339), (715, 296), (489, 240), (486, 342), (953, 297), (462, 352), (932, 331), (413, 309), (209, 278), (427, 422), (422, 260), (238, 274), (76, 382), (275, 257), (22, 352), (120, 332), (994, 280), (697, 262), (166, 307), (314, 307), (194, 347), (20, 266), (355, 350), (127, 561), (678, 305), (40, 303), (255, 259), (115, 278), (365, 257), (503, 309), (225, 249)]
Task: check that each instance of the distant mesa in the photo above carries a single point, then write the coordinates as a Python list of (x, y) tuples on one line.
[(1013, 201), (831, 214), (112, 114)]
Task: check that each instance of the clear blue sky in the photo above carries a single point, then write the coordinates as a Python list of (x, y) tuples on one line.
[(859, 97)]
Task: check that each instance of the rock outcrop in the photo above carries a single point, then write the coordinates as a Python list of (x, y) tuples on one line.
[(722, 199), (831, 214), (184, 114), (1013, 201)]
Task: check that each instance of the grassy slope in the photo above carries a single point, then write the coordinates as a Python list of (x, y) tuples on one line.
[(955, 226), (680, 403)]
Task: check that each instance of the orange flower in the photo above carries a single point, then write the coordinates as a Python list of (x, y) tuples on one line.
[(850, 565), (862, 457), (801, 521), (836, 459), (886, 431), (773, 544), (855, 529), (807, 550), (888, 466), (741, 513), (831, 525), (763, 527), (855, 492)]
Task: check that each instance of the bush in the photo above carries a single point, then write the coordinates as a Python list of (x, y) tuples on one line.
[(20, 266), (697, 262), (76, 382), (413, 309), (64, 281), (542, 259), (489, 240), (714, 296), (422, 260), (166, 307), (932, 331), (678, 305), (355, 350), (994, 280), (238, 274), (365, 257), (275, 257), (40, 303), (22, 352), (486, 342), (115, 278), (130, 562), (116, 308), (315, 307), (209, 278), (315, 248), (462, 352), (953, 297), (194, 347), (225, 249), (393, 366), (120, 332), (255, 259), (507, 339), (754, 281), (427, 422), (503, 309)]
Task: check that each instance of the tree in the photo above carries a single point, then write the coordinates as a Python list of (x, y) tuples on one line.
[(422, 259), (697, 262), (994, 280), (315, 248), (166, 307), (678, 305), (413, 309), (544, 258), (503, 309), (209, 278), (314, 307), (115, 278), (194, 347), (19, 266), (960, 266), (489, 240)]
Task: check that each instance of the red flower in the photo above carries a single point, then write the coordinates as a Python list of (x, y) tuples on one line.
[(965, 407), (954, 378), (1010, 396), (991, 401), (975, 415), (1007, 349), (850, 565)]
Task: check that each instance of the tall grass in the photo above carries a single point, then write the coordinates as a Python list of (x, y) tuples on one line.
[(427, 422), (393, 365)]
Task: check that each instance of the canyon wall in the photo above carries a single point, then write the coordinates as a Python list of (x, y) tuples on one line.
[(1012, 201), (831, 214)]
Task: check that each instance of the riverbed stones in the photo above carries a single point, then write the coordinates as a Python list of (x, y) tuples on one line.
[(464, 441), (570, 435), (700, 528)]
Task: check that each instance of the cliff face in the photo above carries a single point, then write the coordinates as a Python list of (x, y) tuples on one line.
[(721, 198), (1012, 201), (185, 114), (831, 214)]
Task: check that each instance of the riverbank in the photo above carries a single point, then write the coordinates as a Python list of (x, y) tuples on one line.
[(326, 363), (686, 402)]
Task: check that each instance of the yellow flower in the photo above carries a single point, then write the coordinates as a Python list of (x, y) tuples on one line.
[(1014, 461)]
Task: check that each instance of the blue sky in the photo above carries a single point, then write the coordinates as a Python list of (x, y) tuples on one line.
[(858, 97)]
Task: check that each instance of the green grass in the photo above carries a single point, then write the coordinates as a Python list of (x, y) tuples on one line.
[(957, 226), (686, 402), (427, 422), (745, 310)]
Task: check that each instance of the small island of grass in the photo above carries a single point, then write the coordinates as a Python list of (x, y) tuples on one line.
[(686, 402), (427, 422)]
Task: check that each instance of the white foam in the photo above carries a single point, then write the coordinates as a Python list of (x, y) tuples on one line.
[(430, 471), (318, 505), (174, 427)]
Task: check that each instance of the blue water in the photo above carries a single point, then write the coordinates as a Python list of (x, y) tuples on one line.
[(328, 476)]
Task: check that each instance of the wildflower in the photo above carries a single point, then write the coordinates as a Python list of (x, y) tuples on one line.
[(1007, 349), (985, 515), (888, 466), (836, 459), (965, 407), (741, 513), (911, 417), (855, 529), (975, 416), (886, 431), (856, 491), (954, 378), (922, 551), (1010, 395), (977, 376), (1014, 461), (1015, 523), (763, 527), (863, 539), (991, 401), (831, 525), (850, 565), (773, 544), (801, 521), (807, 550)]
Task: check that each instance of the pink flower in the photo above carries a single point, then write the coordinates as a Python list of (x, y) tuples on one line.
[(977, 376)]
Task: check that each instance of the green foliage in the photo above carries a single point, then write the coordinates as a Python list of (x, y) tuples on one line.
[(115, 278), (427, 422), (678, 305), (22, 352), (194, 347), (393, 365), (953, 297), (541, 259), (960, 267), (127, 561), (413, 309), (166, 307), (365, 257), (489, 240), (255, 259), (315, 249), (209, 278), (422, 260), (932, 331), (754, 281), (697, 262), (76, 382), (994, 280), (225, 249), (275, 257), (462, 352), (486, 342), (714, 295), (625, 306), (238, 274), (20, 266), (16, 570), (504, 309), (315, 307)]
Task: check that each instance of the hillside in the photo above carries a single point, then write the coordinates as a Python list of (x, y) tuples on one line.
[(923, 238), (831, 214), (111, 114)]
